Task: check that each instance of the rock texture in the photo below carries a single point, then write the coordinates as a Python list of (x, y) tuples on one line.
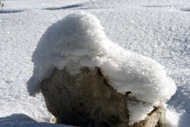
[(87, 99)]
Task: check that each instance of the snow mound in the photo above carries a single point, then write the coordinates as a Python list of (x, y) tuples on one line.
[(79, 41)]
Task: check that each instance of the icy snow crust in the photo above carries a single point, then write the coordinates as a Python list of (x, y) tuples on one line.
[(79, 41)]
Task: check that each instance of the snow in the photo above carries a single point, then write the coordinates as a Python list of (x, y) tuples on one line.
[(172, 117), (157, 29), (21, 120), (79, 41), (138, 111)]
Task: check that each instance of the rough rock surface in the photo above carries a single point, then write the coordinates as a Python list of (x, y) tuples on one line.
[(86, 99)]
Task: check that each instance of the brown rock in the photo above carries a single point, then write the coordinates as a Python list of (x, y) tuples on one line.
[(86, 99)]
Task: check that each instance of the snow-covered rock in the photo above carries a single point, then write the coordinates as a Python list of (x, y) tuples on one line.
[(79, 41)]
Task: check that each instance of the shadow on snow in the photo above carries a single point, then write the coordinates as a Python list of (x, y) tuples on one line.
[(65, 7), (10, 11), (185, 9), (22, 120), (15, 118), (160, 6)]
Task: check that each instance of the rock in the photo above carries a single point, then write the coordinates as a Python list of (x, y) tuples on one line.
[(86, 99)]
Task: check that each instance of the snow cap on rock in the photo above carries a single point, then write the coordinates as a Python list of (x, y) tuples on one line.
[(79, 41)]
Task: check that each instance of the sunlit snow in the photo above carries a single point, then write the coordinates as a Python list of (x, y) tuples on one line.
[(79, 41), (157, 29)]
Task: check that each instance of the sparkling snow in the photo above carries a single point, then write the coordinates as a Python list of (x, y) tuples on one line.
[(157, 29), (79, 41)]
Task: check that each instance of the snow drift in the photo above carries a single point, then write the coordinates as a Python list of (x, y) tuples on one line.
[(79, 41)]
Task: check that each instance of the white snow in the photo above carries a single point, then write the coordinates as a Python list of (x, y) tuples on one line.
[(79, 41), (157, 29), (138, 111), (172, 117)]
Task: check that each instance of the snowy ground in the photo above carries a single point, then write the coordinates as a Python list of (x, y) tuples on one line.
[(158, 29)]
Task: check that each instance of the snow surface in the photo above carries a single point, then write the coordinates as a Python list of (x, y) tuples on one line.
[(172, 117), (157, 29), (79, 41), (21, 120)]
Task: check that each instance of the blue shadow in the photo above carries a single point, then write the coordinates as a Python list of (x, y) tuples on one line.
[(186, 9), (10, 11), (65, 7), (22, 120)]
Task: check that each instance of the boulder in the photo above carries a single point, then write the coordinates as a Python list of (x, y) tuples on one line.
[(87, 99)]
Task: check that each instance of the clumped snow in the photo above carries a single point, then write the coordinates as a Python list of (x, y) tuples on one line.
[(172, 117), (79, 41), (138, 111), (157, 29)]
